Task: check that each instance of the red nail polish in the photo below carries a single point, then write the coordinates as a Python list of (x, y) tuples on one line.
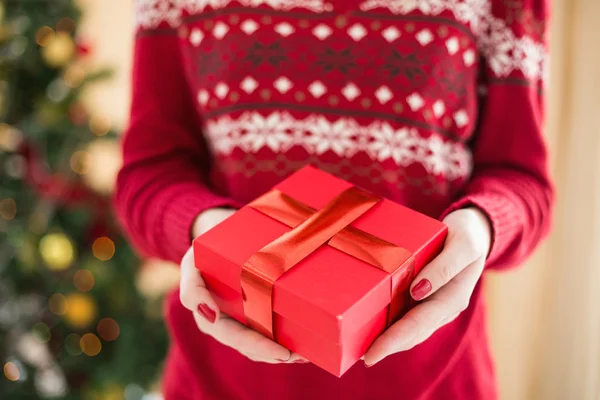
[(207, 313), (421, 289)]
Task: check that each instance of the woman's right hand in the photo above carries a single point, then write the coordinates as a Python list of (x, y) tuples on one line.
[(196, 298)]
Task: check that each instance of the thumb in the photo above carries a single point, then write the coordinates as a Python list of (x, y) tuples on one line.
[(457, 254), (192, 290)]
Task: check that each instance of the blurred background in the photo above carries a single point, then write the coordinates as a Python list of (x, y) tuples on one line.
[(80, 314)]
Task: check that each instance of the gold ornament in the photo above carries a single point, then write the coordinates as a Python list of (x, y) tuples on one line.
[(157, 278), (81, 310), (59, 50), (57, 251), (105, 160)]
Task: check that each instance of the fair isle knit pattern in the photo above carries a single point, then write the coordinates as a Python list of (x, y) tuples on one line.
[(366, 84)]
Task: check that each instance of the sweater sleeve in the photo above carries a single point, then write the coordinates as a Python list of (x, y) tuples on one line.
[(511, 182), (162, 185)]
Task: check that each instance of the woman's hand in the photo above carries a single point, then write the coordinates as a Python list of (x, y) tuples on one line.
[(445, 285), (195, 297)]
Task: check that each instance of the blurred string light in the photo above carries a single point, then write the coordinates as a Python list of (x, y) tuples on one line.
[(44, 35), (72, 344), (57, 90), (81, 310), (41, 332), (83, 280), (38, 222), (103, 249), (134, 392), (80, 162), (8, 209), (12, 371), (57, 304), (16, 166), (59, 50), (108, 329), (90, 344), (10, 138), (57, 251), (99, 126), (74, 76), (18, 46), (66, 25)]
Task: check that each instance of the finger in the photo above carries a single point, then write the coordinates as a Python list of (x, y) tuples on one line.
[(457, 254), (426, 318), (192, 290), (243, 339)]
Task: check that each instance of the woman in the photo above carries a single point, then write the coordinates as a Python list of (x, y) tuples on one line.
[(436, 104)]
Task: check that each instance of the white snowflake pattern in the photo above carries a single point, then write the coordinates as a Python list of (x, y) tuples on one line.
[(151, 13), (279, 131), (504, 51)]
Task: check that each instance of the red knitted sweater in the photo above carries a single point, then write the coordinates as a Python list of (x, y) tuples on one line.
[(436, 104)]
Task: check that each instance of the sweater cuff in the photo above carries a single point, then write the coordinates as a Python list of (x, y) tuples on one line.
[(500, 213), (179, 214)]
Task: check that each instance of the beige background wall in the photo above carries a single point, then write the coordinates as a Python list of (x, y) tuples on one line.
[(544, 318)]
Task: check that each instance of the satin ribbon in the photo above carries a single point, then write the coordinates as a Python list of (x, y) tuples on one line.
[(310, 230)]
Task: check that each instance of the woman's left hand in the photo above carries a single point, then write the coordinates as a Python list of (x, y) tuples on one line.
[(445, 285)]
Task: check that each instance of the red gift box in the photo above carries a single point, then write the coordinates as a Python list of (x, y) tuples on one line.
[(319, 265)]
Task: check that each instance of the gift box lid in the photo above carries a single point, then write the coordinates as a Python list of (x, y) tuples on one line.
[(329, 291)]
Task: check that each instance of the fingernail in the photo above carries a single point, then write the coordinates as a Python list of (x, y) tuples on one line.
[(300, 361), (207, 313), (369, 365), (421, 289)]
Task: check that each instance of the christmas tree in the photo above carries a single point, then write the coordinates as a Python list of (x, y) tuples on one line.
[(77, 317)]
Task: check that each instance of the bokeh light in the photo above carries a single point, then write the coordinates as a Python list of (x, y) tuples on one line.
[(80, 162), (11, 371), (66, 25), (10, 138), (38, 222), (74, 76), (8, 209), (134, 392), (57, 251), (73, 344), (41, 332), (99, 126), (83, 280), (103, 249), (81, 310), (44, 35), (90, 344), (59, 50), (108, 329), (57, 303)]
